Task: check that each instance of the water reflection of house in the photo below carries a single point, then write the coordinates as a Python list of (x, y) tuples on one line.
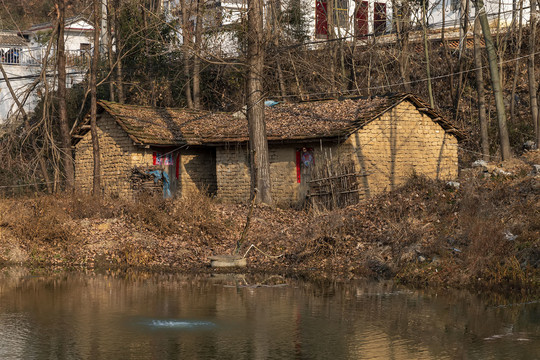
[(380, 140)]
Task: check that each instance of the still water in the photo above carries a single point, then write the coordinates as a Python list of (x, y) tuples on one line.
[(153, 316)]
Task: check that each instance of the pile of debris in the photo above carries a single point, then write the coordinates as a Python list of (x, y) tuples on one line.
[(143, 181)]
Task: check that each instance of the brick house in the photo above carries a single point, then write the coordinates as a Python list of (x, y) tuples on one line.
[(382, 141)]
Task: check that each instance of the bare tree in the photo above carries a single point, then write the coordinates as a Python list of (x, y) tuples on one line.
[(495, 80), (197, 57), (65, 137), (463, 29), (20, 106), (480, 91), (532, 74), (110, 53), (119, 52), (187, 40), (426, 52), (403, 26), (96, 184), (260, 164), (517, 62)]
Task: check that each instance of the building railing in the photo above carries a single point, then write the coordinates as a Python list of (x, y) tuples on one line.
[(34, 57)]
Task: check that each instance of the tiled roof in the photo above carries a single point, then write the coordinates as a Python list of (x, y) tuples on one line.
[(284, 122), (11, 39), (49, 25)]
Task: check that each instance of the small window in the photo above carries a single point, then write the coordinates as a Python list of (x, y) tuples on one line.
[(379, 18), (321, 18), (361, 18), (341, 13), (85, 46)]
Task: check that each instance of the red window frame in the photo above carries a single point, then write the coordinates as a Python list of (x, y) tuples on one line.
[(361, 19), (379, 18), (321, 18)]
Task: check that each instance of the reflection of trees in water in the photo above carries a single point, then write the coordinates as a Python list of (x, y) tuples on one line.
[(98, 316)]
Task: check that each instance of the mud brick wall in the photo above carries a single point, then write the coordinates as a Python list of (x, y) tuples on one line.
[(232, 172), (399, 143), (197, 170), (233, 176), (115, 151)]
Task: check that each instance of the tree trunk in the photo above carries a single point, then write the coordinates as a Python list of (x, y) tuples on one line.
[(96, 188), (331, 45), (110, 51), (532, 74), (197, 57), (495, 80), (517, 62), (445, 50), (260, 165), (186, 34), (275, 8), (67, 157), (426, 51), (481, 92), (119, 49), (463, 29), (402, 34), (299, 89)]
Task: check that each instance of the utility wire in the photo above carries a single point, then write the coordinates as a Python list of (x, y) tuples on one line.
[(408, 82)]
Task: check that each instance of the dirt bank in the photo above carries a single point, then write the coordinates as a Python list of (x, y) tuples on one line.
[(484, 233)]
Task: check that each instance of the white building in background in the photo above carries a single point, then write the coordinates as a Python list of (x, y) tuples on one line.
[(21, 55), (351, 19), (78, 33)]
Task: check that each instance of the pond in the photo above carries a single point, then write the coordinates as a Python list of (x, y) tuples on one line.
[(133, 315)]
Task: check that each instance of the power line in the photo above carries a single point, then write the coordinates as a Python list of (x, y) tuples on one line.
[(35, 76), (411, 82)]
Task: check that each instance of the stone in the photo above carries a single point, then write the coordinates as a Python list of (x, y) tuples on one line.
[(480, 163), (221, 261), (529, 145), (453, 184), (499, 171)]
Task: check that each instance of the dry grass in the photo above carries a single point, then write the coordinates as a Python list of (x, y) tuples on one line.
[(38, 220), (428, 233), (171, 216), (485, 234)]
